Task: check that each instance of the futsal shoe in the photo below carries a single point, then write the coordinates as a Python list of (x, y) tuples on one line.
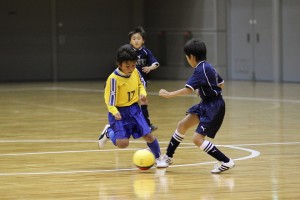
[(164, 162), (103, 137), (223, 167)]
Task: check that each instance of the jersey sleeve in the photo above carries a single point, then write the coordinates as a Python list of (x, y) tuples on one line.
[(220, 80), (110, 95), (151, 59), (142, 84), (194, 81), (141, 78)]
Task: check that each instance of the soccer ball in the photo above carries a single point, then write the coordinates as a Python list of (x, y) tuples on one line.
[(143, 159)]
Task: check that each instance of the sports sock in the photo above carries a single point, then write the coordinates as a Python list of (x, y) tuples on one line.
[(176, 139), (213, 151), (111, 134), (145, 112), (154, 146)]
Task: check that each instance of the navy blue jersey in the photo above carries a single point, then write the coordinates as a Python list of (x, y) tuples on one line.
[(206, 80), (145, 58)]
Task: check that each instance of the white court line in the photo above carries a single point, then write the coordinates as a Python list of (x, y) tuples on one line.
[(275, 101), (149, 93), (138, 142), (59, 108), (192, 95), (252, 155)]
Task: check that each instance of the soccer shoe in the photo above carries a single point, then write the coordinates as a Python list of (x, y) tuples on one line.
[(153, 128), (164, 162), (223, 167), (157, 160), (103, 137)]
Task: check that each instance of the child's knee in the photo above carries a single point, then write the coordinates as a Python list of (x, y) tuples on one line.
[(182, 127), (198, 139), (149, 138), (122, 143)]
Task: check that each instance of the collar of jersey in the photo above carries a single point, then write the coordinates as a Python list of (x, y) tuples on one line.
[(120, 73), (137, 49), (199, 63)]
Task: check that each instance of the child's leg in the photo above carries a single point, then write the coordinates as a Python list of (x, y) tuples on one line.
[(178, 136), (121, 143), (176, 139), (209, 148), (144, 108), (187, 122), (111, 135), (153, 144), (146, 114), (212, 150)]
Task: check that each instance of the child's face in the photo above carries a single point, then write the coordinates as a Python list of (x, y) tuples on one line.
[(127, 67), (137, 40), (191, 60)]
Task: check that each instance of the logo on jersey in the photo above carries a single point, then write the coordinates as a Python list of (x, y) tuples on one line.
[(141, 62)]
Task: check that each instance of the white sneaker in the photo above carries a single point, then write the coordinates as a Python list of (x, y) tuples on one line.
[(164, 162), (157, 160), (223, 167), (103, 137)]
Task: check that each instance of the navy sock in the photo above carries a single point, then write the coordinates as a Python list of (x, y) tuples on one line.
[(155, 149), (111, 135), (176, 139), (213, 151)]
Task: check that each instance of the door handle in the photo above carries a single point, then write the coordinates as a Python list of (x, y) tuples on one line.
[(248, 37), (257, 38)]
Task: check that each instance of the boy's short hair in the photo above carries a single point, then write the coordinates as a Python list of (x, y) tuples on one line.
[(138, 29), (196, 48), (126, 53)]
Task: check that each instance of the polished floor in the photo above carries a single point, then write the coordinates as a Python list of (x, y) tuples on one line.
[(49, 131)]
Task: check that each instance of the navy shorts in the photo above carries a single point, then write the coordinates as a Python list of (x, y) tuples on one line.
[(132, 123), (211, 114)]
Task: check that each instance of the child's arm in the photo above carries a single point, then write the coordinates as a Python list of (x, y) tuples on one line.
[(151, 62), (221, 85), (184, 91), (110, 97), (150, 68)]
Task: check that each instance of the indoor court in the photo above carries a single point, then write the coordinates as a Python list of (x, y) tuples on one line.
[(49, 132)]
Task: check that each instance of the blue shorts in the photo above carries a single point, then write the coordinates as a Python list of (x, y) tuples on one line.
[(132, 123), (211, 114)]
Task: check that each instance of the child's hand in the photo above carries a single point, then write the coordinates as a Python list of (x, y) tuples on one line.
[(118, 116), (143, 98), (146, 69), (163, 93)]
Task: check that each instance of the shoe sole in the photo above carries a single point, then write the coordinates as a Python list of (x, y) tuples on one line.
[(164, 166)]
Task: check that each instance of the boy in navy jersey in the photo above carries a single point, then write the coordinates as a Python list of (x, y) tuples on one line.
[(146, 62), (123, 89), (208, 114)]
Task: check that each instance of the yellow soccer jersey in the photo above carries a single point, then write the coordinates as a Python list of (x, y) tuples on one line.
[(121, 90)]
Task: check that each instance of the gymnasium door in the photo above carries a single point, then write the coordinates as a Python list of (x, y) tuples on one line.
[(251, 40)]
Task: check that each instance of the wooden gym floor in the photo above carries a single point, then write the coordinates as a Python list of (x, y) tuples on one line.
[(49, 131)]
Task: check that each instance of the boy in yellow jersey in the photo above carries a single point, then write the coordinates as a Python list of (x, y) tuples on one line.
[(124, 88)]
